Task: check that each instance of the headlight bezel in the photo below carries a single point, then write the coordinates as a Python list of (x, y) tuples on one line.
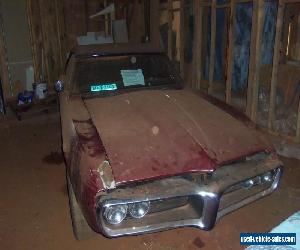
[(257, 180), (127, 203)]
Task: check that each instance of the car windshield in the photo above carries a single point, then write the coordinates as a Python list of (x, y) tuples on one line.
[(103, 74)]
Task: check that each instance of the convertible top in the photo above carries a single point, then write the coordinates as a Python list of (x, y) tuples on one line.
[(112, 49)]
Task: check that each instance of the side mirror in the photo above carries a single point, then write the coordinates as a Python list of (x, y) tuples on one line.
[(59, 86)]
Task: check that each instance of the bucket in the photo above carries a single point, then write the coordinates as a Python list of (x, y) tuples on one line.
[(25, 97), (41, 90)]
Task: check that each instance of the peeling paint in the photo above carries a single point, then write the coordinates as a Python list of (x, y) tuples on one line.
[(106, 175)]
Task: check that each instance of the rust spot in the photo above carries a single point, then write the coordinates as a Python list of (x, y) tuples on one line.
[(198, 243), (89, 139), (54, 158)]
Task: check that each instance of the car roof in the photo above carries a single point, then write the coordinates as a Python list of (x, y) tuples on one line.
[(112, 49)]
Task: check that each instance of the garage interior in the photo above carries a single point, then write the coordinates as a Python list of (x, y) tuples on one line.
[(245, 53)]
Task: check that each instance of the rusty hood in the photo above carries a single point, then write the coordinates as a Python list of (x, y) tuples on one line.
[(155, 133)]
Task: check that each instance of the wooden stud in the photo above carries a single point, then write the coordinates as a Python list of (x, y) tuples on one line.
[(199, 49), (298, 125), (254, 65), (197, 45), (212, 46), (32, 42), (252, 58), (60, 32), (230, 51), (276, 56), (257, 64), (154, 23), (4, 66), (106, 19), (182, 37), (170, 30), (4, 73), (36, 38)]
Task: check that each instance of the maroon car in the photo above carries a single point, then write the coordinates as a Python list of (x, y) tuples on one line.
[(145, 154)]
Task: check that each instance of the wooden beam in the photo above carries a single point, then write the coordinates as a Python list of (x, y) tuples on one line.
[(170, 29), (290, 1), (226, 5), (277, 47), (212, 46), (230, 52), (255, 53)]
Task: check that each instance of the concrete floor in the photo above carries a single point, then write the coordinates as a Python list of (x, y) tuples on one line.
[(34, 211)]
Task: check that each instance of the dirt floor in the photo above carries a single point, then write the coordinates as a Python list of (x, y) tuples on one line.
[(34, 212)]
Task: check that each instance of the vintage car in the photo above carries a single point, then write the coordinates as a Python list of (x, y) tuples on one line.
[(145, 154)]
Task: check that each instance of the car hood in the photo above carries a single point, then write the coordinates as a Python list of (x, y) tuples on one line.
[(155, 133)]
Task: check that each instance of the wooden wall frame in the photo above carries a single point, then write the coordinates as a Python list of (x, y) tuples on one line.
[(255, 50)]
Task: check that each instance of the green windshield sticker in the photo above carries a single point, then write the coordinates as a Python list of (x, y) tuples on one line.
[(103, 87), (133, 77)]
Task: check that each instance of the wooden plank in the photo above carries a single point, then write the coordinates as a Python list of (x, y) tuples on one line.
[(277, 47), (199, 50), (252, 58), (182, 37), (290, 1), (197, 45), (170, 30), (106, 20), (32, 42), (61, 33), (53, 55), (230, 51), (212, 46), (4, 71), (75, 21), (226, 5), (257, 63), (255, 53), (298, 125), (154, 23), (36, 38)]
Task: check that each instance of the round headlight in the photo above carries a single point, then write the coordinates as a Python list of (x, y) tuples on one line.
[(267, 177), (139, 209), (115, 214), (249, 183)]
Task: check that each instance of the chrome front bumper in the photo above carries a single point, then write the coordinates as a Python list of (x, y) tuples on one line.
[(215, 202)]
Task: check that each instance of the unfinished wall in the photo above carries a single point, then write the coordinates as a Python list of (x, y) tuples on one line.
[(16, 39), (258, 71)]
